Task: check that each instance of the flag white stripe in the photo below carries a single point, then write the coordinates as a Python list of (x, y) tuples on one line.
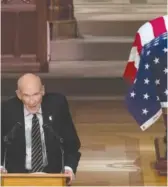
[(166, 21), (146, 33)]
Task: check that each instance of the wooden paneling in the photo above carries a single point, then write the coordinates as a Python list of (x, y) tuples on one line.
[(61, 17), (8, 32), (21, 28), (61, 10), (27, 31), (41, 7)]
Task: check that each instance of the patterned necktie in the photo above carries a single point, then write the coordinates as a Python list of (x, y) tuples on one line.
[(37, 156)]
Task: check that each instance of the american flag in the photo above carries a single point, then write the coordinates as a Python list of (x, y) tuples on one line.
[(144, 35), (148, 94)]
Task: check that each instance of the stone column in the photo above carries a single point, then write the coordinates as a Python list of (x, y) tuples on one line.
[(61, 17)]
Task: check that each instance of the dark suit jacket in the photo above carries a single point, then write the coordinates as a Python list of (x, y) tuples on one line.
[(54, 105)]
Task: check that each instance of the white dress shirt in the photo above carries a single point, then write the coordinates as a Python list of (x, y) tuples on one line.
[(28, 127)]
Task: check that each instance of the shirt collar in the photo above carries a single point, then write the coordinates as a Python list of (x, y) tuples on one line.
[(27, 113)]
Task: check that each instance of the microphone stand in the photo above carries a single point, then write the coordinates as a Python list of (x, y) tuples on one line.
[(62, 157), (8, 140), (7, 143), (61, 141)]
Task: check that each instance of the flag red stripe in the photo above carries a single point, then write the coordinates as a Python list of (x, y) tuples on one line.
[(158, 26), (130, 72), (138, 43)]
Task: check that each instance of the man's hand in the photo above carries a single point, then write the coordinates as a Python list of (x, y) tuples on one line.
[(3, 170), (70, 173)]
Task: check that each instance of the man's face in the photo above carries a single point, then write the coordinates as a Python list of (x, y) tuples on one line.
[(31, 96)]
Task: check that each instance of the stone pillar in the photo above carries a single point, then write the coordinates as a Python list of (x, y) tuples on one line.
[(61, 17)]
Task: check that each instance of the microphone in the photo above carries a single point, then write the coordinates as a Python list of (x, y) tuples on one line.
[(60, 140), (11, 134), (8, 139), (49, 127)]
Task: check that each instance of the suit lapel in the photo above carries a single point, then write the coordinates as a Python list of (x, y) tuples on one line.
[(20, 114), (50, 117), (47, 111)]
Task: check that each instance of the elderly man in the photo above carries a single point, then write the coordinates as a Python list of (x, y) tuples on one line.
[(36, 126)]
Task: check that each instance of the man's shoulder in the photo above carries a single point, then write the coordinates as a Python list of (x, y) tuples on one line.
[(10, 101), (54, 97), (10, 104)]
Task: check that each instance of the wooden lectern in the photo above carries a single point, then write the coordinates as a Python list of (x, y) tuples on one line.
[(33, 179)]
